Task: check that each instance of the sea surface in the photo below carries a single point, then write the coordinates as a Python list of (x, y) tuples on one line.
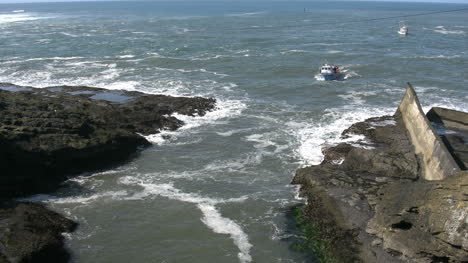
[(218, 189)]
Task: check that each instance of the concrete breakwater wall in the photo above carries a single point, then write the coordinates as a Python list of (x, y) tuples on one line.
[(388, 203), (436, 160)]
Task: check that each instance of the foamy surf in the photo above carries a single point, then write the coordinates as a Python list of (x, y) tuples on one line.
[(224, 109), (212, 218), (17, 17), (246, 14), (313, 136), (80, 200), (443, 30)]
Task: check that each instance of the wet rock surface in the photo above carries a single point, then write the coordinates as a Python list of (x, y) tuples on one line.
[(31, 233), (369, 199), (49, 134)]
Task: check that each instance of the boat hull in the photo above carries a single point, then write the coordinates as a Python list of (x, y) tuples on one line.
[(329, 76)]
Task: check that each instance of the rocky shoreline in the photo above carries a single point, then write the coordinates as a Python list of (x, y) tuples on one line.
[(52, 133), (370, 202)]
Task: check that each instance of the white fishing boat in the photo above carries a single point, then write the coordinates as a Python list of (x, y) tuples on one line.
[(403, 29), (329, 72)]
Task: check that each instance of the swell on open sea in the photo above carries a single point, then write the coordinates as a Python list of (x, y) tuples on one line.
[(218, 189)]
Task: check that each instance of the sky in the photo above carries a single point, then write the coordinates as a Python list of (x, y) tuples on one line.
[(434, 1)]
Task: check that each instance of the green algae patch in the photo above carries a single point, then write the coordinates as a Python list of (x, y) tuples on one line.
[(314, 242)]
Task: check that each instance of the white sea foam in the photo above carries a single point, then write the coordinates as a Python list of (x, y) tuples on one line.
[(294, 51), (313, 136), (68, 34), (17, 17), (356, 100), (126, 56), (443, 30), (44, 40), (434, 57), (111, 73), (202, 70), (212, 218), (223, 110), (53, 58), (261, 141), (112, 195), (334, 51), (247, 14), (319, 77), (232, 132), (221, 225), (234, 165), (18, 11), (121, 85), (332, 44), (267, 142), (349, 74)]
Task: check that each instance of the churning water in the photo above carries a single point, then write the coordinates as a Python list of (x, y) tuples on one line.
[(217, 190)]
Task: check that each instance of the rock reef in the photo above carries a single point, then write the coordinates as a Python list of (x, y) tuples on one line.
[(371, 201), (47, 134), (50, 134), (31, 233)]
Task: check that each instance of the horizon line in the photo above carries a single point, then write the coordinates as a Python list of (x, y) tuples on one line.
[(388, 1)]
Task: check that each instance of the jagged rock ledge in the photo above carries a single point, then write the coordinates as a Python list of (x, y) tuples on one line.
[(32, 233), (371, 202), (49, 134)]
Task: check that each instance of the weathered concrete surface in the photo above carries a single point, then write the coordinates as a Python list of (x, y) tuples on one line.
[(376, 207), (452, 127), (437, 161), (47, 134)]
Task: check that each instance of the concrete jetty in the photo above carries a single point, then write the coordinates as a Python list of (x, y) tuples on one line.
[(401, 200), (437, 161)]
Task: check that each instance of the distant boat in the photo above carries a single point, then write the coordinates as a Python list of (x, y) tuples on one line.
[(329, 72), (403, 29)]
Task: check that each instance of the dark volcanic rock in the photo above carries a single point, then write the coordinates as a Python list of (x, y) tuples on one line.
[(374, 207), (47, 134), (31, 233)]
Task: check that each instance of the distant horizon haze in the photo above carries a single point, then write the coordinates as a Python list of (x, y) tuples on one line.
[(50, 1)]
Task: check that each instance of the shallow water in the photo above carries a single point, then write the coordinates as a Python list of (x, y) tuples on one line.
[(217, 190)]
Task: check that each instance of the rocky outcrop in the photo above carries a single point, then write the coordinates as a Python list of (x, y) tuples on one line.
[(31, 233), (371, 201), (50, 133), (424, 221)]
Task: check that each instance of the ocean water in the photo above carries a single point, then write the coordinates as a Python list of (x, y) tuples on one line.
[(217, 190)]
